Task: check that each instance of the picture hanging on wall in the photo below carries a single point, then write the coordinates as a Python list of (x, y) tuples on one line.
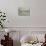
[(24, 11)]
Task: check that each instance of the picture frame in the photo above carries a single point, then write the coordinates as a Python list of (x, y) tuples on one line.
[(24, 11)]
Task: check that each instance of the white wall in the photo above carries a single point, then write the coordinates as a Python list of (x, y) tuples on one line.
[(37, 16)]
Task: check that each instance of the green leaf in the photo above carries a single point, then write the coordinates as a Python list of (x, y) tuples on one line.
[(4, 13), (2, 26), (0, 12), (4, 16)]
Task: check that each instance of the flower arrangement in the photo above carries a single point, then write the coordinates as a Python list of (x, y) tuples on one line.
[(2, 19)]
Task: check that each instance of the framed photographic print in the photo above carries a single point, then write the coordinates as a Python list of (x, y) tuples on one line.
[(24, 11)]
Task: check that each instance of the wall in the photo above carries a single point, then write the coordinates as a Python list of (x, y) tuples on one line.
[(37, 16)]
